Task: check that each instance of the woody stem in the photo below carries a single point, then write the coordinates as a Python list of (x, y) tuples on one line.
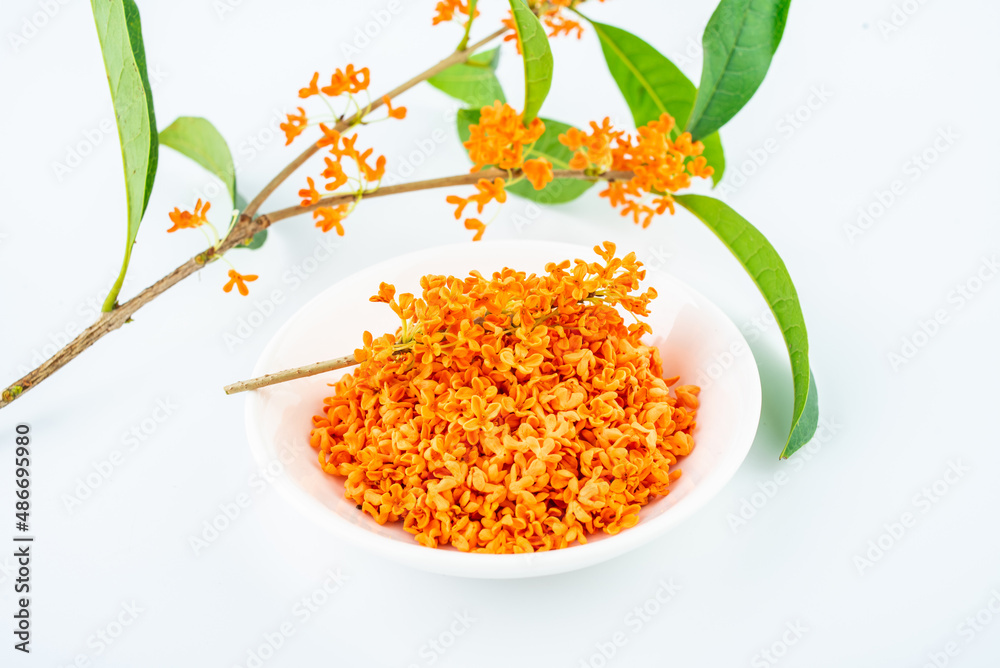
[(245, 229), (457, 57)]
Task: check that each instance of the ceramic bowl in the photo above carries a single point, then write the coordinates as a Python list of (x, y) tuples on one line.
[(696, 340)]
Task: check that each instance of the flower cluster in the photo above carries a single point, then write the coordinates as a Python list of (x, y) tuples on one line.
[(501, 139), (183, 220), (362, 167), (661, 165), (447, 9), (198, 218), (518, 413), (553, 14)]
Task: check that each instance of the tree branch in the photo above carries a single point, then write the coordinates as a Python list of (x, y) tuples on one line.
[(246, 227)]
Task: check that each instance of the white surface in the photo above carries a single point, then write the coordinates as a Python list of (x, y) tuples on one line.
[(690, 332), (888, 435)]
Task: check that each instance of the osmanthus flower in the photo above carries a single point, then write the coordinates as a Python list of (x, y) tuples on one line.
[(348, 81), (445, 11), (345, 164), (397, 113), (660, 164), (240, 281), (331, 217), (488, 191), (295, 125), (552, 13), (538, 172), (501, 139), (186, 220)]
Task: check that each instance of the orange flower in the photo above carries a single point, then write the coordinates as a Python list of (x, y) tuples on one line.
[(240, 281), (560, 25), (592, 150), (538, 172), (349, 80), (331, 136), (398, 112), (186, 219), (660, 165), (699, 167), (371, 174), (295, 125), (328, 218), (500, 137), (312, 89), (446, 10), (333, 171), (477, 225), (487, 193), (359, 79), (339, 84), (309, 195), (348, 149)]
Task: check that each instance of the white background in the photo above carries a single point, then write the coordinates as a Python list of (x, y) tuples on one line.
[(891, 432)]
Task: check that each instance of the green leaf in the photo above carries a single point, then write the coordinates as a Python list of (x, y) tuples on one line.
[(474, 82), (767, 270), (739, 42), (120, 35), (256, 241), (199, 140), (558, 191), (536, 55), (651, 85)]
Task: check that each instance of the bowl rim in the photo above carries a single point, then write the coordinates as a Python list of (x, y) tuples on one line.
[(470, 564)]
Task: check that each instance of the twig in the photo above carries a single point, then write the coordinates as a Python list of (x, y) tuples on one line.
[(291, 374), (443, 182), (245, 228), (457, 57)]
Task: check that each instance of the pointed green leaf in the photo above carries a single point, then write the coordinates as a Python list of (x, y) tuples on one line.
[(558, 191), (768, 271), (120, 35), (474, 82), (651, 85), (199, 140), (537, 58), (739, 42)]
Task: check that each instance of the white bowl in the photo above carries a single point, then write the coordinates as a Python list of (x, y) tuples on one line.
[(695, 338)]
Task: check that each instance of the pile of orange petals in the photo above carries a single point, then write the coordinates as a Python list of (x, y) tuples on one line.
[(516, 413)]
